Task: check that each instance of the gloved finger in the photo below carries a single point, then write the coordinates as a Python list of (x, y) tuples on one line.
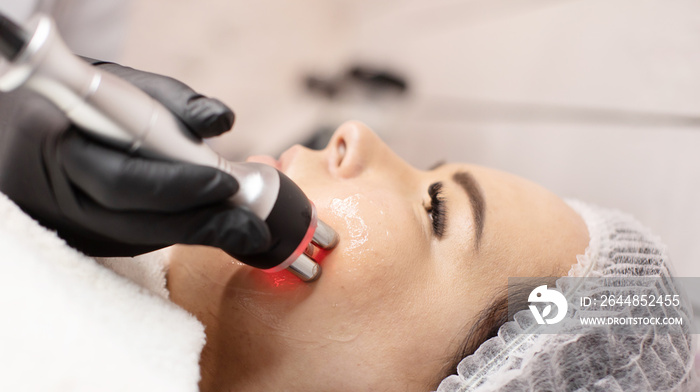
[(120, 181), (28, 111), (28, 121), (96, 245), (236, 230), (206, 117)]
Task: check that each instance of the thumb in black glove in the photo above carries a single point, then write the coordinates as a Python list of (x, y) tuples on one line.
[(107, 202)]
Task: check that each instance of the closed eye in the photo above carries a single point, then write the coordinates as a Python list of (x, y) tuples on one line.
[(436, 211)]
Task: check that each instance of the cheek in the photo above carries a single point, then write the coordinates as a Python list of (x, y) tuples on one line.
[(379, 243), (365, 238)]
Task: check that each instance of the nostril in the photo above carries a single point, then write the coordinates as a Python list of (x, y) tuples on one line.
[(349, 150), (342, 148)]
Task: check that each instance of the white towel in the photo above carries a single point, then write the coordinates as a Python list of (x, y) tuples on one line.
[(71, 324)]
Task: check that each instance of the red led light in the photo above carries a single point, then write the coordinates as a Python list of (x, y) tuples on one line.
[(283, 279)]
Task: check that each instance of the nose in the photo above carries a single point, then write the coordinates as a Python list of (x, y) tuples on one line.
[(354, 148)]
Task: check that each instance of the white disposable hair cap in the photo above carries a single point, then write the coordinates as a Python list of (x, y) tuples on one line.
[(593, 358)]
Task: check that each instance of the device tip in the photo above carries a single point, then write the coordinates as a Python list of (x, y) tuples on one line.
[(305, 268), (325, 236)]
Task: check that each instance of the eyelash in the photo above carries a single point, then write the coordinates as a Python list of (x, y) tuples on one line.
[(437, 208)]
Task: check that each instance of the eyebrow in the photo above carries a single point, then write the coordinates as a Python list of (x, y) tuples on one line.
[(476, 198)]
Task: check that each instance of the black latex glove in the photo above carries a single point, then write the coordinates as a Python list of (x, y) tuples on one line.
[(106, 202)]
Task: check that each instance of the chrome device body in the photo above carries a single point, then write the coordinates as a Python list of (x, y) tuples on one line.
[(116, 111)]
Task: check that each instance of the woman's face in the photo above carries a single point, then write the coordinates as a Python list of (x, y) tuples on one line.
[(421, 253)]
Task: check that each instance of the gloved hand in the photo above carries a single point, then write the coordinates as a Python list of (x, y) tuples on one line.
[(106, 202)]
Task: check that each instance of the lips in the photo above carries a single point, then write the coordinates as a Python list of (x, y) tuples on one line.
[(265, 159), (282, 164), (287, 157)]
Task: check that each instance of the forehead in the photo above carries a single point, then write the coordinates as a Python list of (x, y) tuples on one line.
[(528, 230), (499, 187)]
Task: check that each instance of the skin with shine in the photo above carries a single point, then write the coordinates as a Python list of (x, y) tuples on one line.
[(395, 299)]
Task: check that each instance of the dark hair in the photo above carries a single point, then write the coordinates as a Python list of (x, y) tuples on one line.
[(492, 317)]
